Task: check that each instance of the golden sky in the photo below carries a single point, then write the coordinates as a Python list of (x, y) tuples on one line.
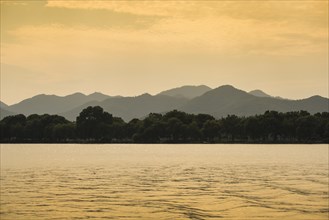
[(131, 47)]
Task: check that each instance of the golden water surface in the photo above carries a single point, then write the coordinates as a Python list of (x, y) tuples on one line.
[(164, 182)]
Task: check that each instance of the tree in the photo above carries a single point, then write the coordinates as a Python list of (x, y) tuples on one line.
[(193, 132), (211, 129), (231, 126), (182, 116), (63, 132), (271, 124), (174, 129), (253, 128), (93, 123), (12, 127), (306, 128), (118, 129), (133, 127), (200, 119)]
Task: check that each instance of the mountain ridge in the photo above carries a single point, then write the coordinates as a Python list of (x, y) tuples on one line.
[(187, 91), (226, 100), (219, 102), (52, 104), (259, 93)]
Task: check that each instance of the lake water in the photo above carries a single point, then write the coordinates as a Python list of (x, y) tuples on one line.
[(51, 181)]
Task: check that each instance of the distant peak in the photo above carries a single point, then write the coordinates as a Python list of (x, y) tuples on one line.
[(96, 93), (39, 95), (257, 90), (98, 96), (226, 87), (227, 90), (259, 93), (187, 91), (43, 95), (317, 97), (193, 86), (76, 94), (145, 95)]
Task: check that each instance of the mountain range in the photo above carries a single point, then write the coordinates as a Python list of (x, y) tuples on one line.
[(218, 102), (188, 92)]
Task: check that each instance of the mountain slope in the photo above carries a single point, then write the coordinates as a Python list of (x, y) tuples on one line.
[(97, 96), (3, 105), (5, 113), (186, 91), (53, 104), (259, 93), (218, 102), (132, 107), (226, 100), (217, 99)]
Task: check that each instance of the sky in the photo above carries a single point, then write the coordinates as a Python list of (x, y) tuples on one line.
[(132, 47)]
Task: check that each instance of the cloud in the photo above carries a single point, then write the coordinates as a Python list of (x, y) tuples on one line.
[(225, 27), (229, 27), (308, 12), (169, 40), (159, 8), (210, 34)]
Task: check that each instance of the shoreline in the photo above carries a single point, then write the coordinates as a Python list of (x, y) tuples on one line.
[(174, 143)]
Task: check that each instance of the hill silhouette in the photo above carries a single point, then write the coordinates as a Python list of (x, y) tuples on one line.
[(259, 93), (219, 102), (3, 105), (226, 100), (4, 112), (53, 104), (132, 107), (94, 125), (189, 92)]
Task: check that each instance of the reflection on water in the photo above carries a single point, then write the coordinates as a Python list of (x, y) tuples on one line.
[(164, 182)]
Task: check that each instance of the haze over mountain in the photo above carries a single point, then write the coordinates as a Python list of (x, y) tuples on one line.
[(189, 92), (218, 102)]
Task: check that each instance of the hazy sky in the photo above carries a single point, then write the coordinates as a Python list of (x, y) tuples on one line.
[(128, 48)]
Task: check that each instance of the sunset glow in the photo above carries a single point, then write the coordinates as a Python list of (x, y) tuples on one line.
[(127, 48)]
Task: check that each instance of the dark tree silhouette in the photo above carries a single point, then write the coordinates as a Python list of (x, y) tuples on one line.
[(94, 123), (95, 126), (211, 129)]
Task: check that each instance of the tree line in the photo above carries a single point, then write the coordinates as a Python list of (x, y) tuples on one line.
[(94, 125)]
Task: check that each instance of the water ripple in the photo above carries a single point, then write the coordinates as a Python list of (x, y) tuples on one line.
[(166, 191)]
